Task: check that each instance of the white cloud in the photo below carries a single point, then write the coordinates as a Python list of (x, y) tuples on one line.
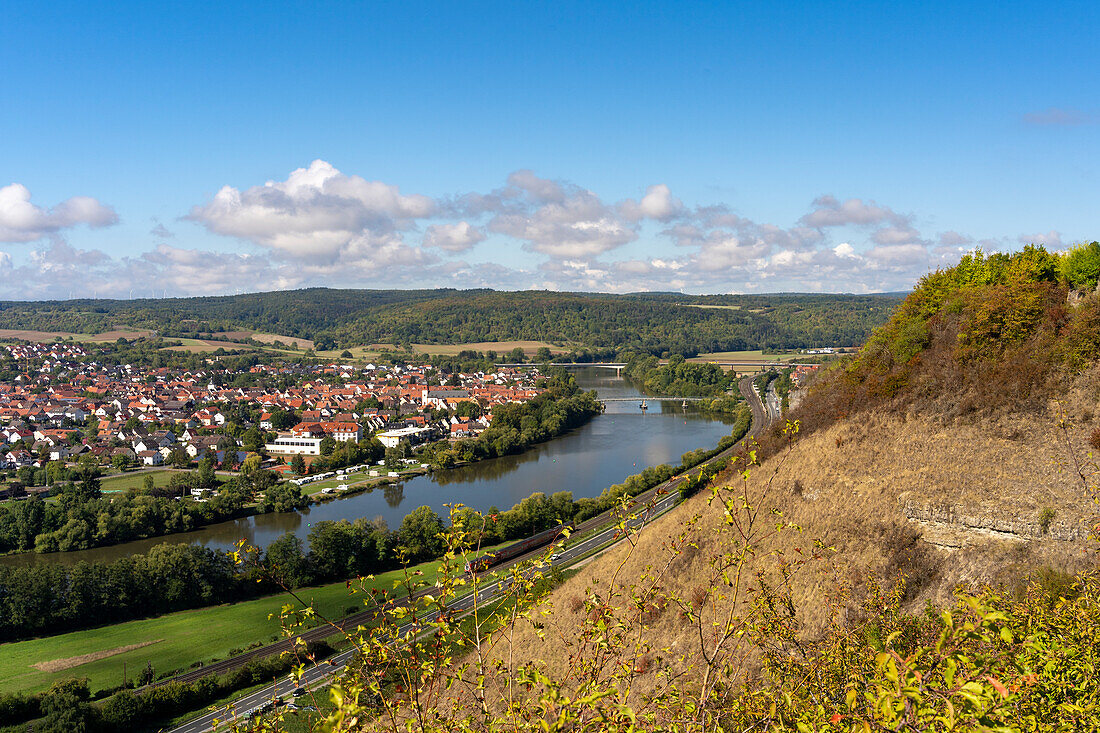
[(830, 212), (453, 237), (658, 203), (317, 213), (895, 235), (23, 221), (320, 226), (844, 251), (559, 220), (1051, 239)]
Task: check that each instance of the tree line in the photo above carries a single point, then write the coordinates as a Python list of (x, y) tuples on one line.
[(650, 323), (678, 377), (82, 517)]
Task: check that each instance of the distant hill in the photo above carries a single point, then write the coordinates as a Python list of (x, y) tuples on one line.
[(653, 323)]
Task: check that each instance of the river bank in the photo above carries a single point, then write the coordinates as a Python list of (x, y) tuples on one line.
[(612, 446)]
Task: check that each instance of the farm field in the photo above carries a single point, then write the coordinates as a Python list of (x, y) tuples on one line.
[(203, 346), (264, 338), (47, 336), (172, 641)]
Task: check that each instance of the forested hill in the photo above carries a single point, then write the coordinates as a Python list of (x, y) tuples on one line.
[(652, 323)]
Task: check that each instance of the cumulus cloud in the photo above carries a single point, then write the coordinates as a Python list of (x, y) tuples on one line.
[(316, 213), (1059, 117), (558, 219), (831, 212), (321, 226), (453, 237), (23, 221), (658, 203), (844, 251), (1051, 240), (895, 235)]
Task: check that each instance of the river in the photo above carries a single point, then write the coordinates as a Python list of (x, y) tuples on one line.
[(622, 441)]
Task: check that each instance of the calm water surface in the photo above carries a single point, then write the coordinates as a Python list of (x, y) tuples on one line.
[(622, 441)]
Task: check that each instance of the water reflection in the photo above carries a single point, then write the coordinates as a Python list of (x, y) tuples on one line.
[(395, 494)]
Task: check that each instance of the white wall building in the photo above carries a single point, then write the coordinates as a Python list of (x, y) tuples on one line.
[(391, 438), (289, 445)]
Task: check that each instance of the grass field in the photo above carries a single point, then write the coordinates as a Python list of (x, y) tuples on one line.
[(177, 639), (204, 346), (131, 481)]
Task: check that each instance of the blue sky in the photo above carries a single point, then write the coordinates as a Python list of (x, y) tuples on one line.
[(204, 148)]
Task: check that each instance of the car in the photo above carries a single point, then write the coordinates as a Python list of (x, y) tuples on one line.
[(555, 557), (298, 691)]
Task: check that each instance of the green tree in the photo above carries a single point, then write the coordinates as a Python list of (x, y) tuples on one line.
[(205, 477), (251, 464), (65, 707), (253, 440), (1080, 266), (286, 559), (470, 410), (284, 497), (283, 419), (421, 534), (298, 464)]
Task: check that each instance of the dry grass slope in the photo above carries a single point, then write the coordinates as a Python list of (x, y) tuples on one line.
[(858, 487)]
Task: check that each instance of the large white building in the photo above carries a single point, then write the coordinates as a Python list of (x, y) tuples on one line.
[(289, 445), (391, 438)]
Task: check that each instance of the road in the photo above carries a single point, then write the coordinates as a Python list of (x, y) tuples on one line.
[(664, 497)]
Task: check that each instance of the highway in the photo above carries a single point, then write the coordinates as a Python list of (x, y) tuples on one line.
[(664, 497)]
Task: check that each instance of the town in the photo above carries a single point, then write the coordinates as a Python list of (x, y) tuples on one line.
[(65, 407)]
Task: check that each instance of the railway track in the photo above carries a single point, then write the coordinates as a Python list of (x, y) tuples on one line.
[(760, 420)]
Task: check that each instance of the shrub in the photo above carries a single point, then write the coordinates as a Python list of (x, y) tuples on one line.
[(1046, 516), (1080, 266)]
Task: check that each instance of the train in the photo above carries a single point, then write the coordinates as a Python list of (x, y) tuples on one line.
[(516, 549)]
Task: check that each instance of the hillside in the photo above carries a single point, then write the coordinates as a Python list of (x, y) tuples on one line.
[(952, 455), (651, 323)]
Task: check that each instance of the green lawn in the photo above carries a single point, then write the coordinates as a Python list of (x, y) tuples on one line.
[(131, 481), (185, 637)]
